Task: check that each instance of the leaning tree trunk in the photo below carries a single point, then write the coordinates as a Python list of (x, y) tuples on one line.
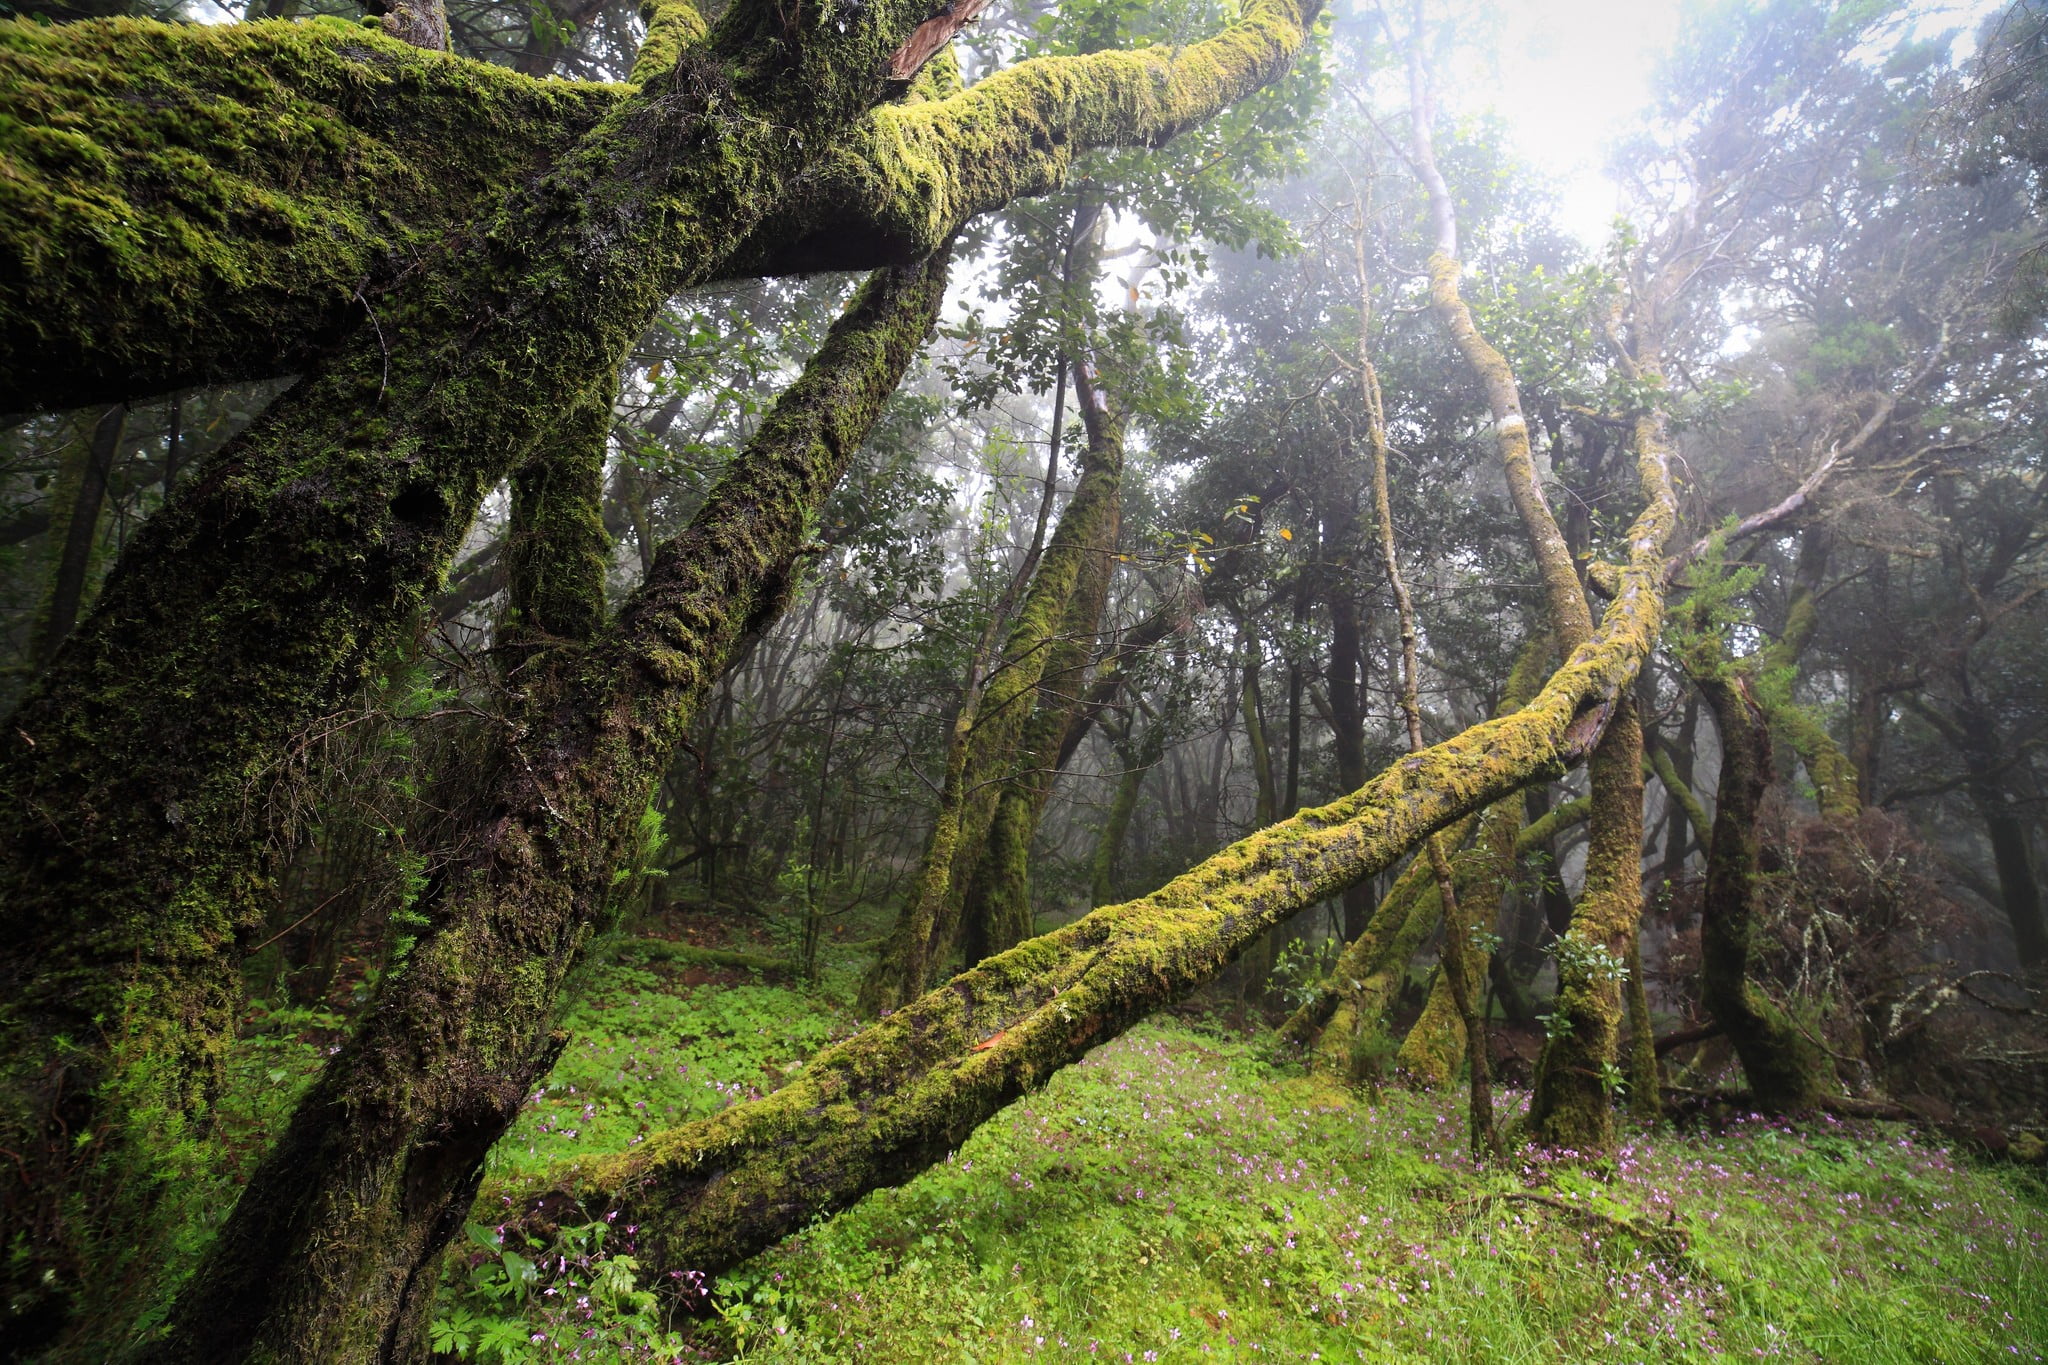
[(1570, 1106), (880, 1107), (331, 1250)]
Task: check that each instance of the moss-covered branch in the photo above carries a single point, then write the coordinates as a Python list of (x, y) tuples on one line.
[(910, 174), (1680, 791), (200, 203), (209, 203)]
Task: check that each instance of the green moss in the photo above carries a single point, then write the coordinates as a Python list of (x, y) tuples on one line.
[(673, 26), (361, 1192), (185, 203), (1786, 1072), (556, 549), (926, 1075)]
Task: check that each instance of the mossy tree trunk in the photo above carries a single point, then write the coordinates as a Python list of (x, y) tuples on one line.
[(1138, 761), (1783, 1069), (1570, 1107), (994, 733), (1576, 1075), (468, 253), (330, 1251)]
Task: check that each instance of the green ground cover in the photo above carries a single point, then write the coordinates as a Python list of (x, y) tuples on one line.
[(1185, 1195)]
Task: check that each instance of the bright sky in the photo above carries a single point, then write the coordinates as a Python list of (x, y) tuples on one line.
[(1573, 75)]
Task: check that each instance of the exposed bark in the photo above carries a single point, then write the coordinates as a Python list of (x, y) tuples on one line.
[(420, 23), (1345, 681)]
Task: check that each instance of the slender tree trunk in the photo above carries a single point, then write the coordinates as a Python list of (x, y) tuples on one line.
[(1346, 682), (1138, 761)]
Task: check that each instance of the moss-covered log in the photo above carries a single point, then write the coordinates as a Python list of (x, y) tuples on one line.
[(885, 1104), (330, 1251)]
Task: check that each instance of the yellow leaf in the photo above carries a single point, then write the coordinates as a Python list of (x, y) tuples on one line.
[(1286, 534)]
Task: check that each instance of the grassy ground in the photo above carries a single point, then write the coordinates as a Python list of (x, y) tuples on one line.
[(1183, 1196)]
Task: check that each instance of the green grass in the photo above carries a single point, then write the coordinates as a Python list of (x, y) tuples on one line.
[(1182, 1194)]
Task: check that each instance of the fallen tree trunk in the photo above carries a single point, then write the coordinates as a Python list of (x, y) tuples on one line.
[(880, 1107)]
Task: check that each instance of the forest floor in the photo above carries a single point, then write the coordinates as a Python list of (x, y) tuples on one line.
[(1186, 1195)]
